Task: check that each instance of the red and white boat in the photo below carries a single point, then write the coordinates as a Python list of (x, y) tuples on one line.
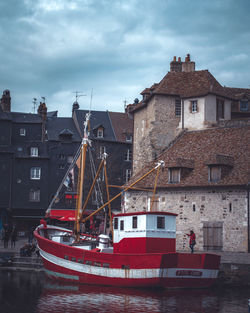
[(142, 254)]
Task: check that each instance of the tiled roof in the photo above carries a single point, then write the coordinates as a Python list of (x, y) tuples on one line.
[(238, 93), (226, 147), (122, 125), (187, 85)]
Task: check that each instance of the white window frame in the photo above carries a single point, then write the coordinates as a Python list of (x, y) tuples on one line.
[(128, 156), (102, 151), (129, 138), (34, 151), (194, 104), (22, 132), (34, 195), (35, 173), (128, 174), (100, 132)]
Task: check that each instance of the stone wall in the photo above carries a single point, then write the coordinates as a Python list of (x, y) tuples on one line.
[(196, 207), (155, 126)]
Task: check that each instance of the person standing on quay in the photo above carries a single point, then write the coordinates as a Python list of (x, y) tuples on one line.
[(6, 235), (192, 240), (13, 237)]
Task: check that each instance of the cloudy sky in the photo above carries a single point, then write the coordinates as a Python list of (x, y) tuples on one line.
[(51, 48)]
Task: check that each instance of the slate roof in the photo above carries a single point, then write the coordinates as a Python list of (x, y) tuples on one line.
[(59, 125), (97, 118), (228, 147), (186, 85), (122, 125), (25, 118)]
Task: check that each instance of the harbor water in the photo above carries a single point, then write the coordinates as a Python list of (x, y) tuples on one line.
[(32, 292)]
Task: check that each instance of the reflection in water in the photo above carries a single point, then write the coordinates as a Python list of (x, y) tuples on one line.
[(31, 292)]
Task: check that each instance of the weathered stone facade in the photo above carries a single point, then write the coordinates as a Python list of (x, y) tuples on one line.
[(222, 206), (155, 126)]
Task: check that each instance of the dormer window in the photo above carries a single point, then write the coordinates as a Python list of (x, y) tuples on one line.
[(100, 132), (22, 132), (34, 151), (174, 175), (129, 138), (214, 173)]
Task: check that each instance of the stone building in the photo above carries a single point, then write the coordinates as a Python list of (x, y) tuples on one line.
[(205, 181), (183, 99)]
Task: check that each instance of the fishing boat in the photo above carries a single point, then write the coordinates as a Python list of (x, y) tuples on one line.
[(142, 252)]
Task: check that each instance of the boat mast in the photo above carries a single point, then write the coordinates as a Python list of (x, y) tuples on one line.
[(84, 145)]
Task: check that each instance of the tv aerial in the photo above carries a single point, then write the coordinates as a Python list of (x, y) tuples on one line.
[(78, 94)]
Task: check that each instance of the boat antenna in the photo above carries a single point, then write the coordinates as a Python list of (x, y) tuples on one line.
[(91, 98)]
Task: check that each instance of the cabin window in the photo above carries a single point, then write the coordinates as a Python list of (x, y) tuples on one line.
[(160, 222), (66, 238), (80, 260), (88, 262), (174, 175), (73, 259), (125, 267), (22, 132), (122, 225), (34, 151), (66, 257), (115, 223), (134, 222), (105, 265), (34, 195), (177, 107), (35, 173), (214, 174)]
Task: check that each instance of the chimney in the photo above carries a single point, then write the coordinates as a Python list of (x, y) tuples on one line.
[(188, 66), (175, 66), (42, 111), (6, 101)]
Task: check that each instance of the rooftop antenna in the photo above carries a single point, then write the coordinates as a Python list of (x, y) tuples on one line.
[(78, 94), (91, 97), (125, 104), (34, 104), (43, 98)]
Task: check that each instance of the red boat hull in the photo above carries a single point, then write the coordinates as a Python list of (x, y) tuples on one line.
[(171, 270)]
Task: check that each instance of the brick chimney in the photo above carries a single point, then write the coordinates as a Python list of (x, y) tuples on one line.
[(179, 66), (6, 101), (188, 66), (176, 66)]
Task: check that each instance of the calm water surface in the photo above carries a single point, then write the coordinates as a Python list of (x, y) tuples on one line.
[(33, 293)]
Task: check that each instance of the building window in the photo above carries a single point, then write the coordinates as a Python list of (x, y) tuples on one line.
[(214, 173), (219, 109), (174, 175), (134, 222), (61, 156), (129, 138), (34, 195), (122, 225), (194, 106), (128, 155), (70, 159), (161, 222), (102, 151), (22, 132), (100, 133), (128, 174), (61, 166), (177, 107), (34, 151), (35, 173), (244, 105)]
